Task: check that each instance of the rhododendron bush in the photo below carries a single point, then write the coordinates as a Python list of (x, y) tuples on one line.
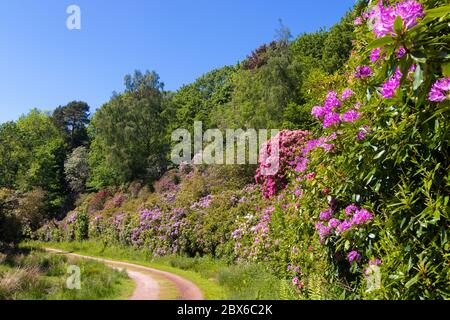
[(359, 208)]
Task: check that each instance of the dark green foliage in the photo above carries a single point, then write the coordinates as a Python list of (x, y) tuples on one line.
[(72, 120), (82, 226), (129, 138)]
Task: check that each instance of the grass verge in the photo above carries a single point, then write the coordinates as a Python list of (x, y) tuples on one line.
[(28, 273), (217, 279)]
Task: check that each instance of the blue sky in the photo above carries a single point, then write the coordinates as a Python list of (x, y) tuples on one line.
[(44, 64)]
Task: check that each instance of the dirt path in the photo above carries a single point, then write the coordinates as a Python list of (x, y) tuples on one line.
[(151, 284)]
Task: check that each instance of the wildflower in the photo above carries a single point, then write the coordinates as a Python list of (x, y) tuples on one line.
[(295, 281), (363, 72), (353, 256), (351, 116), (390, 87), (440, 90), (347, 94)]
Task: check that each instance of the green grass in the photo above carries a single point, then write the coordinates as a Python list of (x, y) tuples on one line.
[(217, 279), (31, 274)]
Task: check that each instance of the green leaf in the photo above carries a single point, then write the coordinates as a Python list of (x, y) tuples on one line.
[(446, 69), (380, 42), (437, 12), (418, 77), (412, 281), (398, 25), (379, 154)]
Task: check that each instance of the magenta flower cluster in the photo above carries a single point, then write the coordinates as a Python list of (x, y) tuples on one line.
[(363, 72), (290, 144), (384, 17), (390, 87), (355, 217), (440, 90), (328, 113)]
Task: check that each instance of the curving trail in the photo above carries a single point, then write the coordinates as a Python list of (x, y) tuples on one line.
[(151, 284)]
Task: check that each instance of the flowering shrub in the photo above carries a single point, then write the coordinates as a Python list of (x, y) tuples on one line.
[(369, 189), (290, 143), (98, 200)]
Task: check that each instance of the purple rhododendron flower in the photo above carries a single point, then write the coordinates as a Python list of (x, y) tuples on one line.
[(331, 119), (351, 116), (401, 52), (332, 101), (375, 54), (439, 90), (363, 72), (384, 17), (326, 215), (347, 94), (344, 226), (353, 256), (334, 223), (318, 112), (390, 87), (350, 210), (362, 216), (323, 230)]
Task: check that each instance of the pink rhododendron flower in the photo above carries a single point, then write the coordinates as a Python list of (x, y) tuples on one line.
[(351, 116), (318, 112), (323, 230), (358, 21), (347, 94), (390, 87), (440, 90)]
